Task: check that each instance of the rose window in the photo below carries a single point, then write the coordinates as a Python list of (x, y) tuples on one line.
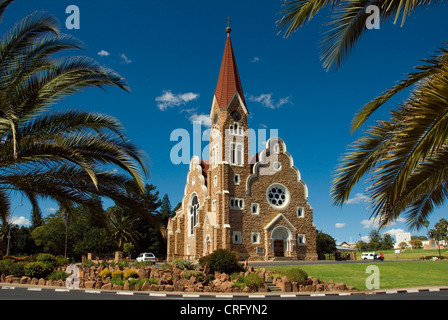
[(277, 195)]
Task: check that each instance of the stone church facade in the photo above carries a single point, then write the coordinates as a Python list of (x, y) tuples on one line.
[(254, 205)]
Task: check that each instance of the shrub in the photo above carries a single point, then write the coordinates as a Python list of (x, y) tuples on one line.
[(183, 264), (46, 258), (130, 274), (38, 269), (222, 261), (118, 274), (58, 275), (117, 281), (61, 261), (87, 263), (193, 273), (17, 269), (4, 267), (105, 273), (296, 275), (151, 280), (253, 280)]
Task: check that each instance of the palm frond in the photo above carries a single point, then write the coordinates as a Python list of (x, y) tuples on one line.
[(425, 72), (298, 12)]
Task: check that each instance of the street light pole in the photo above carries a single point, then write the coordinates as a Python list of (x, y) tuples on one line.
[(10, 225)]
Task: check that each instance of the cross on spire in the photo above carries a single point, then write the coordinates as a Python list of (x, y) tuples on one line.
[(228, 25), (228, 22)]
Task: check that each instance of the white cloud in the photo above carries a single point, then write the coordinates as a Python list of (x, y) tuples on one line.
[(339, 225), (266, 100), (103, 53), (204, 119), (393, 232), (125, 59), (371, 223), (21, 221), (359, 197), (365, 239), (255, 59), (169, 100)]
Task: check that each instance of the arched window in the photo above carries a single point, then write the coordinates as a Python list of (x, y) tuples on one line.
[(193, 213)]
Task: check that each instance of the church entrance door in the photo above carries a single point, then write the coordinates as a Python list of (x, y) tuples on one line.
[(279, 248)]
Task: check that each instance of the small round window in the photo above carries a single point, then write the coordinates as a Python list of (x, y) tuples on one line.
[(278, 196)]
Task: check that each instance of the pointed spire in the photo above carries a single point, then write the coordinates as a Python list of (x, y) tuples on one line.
[(229, 79)]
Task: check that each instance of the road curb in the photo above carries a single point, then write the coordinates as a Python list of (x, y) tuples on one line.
[(201, 295)]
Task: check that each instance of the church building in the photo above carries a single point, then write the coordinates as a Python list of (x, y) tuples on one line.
[(254, 205)]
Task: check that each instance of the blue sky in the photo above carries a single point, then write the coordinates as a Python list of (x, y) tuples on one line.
[(170, 53)]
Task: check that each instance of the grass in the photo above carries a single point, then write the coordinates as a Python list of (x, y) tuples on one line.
[(409, 254), (393, 275)]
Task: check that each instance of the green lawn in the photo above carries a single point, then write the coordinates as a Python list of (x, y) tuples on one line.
[(409, 254), (392, 274)]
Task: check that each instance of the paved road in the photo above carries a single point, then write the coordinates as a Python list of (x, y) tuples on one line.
[(16, 292)]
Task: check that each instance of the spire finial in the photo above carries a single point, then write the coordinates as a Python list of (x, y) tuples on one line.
[(228, 30)]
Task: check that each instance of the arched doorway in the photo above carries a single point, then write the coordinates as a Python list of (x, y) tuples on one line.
[(280, 240)]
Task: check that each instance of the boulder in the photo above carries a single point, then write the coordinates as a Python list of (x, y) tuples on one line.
[(146, 286), (107, 286), (339, 286)]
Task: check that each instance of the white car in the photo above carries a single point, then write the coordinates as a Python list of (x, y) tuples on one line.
[(147, 256), (368, 256), (371, 256)]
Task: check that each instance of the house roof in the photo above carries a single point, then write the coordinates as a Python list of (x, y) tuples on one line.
[(229, 80)]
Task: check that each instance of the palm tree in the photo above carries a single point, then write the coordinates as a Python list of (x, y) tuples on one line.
[(122, 227), (348, 22), (406, 157), (69, 155)]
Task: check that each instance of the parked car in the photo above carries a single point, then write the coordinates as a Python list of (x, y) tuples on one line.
[(146, 256), (371, 256)]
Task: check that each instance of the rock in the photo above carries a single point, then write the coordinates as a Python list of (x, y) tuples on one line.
[(142, 273), (42, 282), (339, 286), (89, 284), (286, 284), (117, 287), (320, 287), (146, 286), (169, 288), (227, 286), (25, 280), (126, 286), (154, 287), (107, 286)]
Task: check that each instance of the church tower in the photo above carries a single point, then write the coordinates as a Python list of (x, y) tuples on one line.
[(229, 146)]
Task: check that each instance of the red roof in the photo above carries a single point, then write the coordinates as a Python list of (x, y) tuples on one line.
[(229, 79)]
